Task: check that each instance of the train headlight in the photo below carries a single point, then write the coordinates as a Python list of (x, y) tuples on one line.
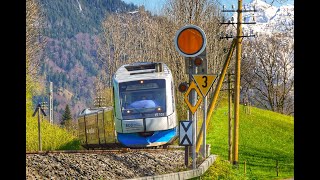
[(128, 111), (159, 109)]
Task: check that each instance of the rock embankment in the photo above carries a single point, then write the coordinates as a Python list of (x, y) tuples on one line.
[(114, 166)]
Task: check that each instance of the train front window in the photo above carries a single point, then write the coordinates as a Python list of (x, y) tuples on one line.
[(143, 98)]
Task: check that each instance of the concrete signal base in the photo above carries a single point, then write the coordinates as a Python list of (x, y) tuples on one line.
[(183, 174)]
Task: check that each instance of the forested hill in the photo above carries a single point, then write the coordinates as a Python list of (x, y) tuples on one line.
[(66, 18), (70, 60)]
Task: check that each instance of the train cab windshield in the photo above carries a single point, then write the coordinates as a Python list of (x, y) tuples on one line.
[(143, 98)]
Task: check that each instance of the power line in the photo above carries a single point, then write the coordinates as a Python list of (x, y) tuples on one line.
[(232, 22)]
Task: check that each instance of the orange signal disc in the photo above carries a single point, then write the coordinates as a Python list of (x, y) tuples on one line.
[(190, 41)]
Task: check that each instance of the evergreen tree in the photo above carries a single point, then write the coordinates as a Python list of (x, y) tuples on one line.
[(66, 116)]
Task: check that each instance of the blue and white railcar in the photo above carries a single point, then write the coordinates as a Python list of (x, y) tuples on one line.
[(144, 109)]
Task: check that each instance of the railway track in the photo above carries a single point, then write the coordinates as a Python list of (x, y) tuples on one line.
[(122, 150), (124, 163), (101, 151)]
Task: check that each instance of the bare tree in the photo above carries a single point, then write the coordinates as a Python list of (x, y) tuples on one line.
[(139, 36), (205, 14), (34, 24), (268, 72), (102, 90)]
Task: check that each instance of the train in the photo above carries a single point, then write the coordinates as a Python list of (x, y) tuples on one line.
[(144, 110), (96, 128)]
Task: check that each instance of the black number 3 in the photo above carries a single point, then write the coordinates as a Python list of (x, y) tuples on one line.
[(205, 81)]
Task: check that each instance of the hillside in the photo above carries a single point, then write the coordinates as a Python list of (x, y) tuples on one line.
[(264, 138), (53, 137), (70, 59)]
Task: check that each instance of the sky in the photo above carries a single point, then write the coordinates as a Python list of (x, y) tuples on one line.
[(155, 6)]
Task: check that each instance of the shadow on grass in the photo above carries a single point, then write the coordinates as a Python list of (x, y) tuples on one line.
[(72, 145)]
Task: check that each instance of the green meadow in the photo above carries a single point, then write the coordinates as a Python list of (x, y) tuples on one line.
[(53, 137), (266, 145)]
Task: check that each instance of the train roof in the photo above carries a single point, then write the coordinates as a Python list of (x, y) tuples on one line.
[(142, 70), (88, 111)]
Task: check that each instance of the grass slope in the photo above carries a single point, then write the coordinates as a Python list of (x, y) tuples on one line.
[(53, 137), (265, 137)]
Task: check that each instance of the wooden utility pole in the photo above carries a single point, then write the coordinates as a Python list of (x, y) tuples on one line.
[(238, 42), (237, 84), (229, 117)]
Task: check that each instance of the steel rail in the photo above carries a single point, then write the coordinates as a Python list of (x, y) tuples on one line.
[(122, 150)]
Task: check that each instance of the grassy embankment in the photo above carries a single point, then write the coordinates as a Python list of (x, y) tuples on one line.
[(265, 139), (53, 137)]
